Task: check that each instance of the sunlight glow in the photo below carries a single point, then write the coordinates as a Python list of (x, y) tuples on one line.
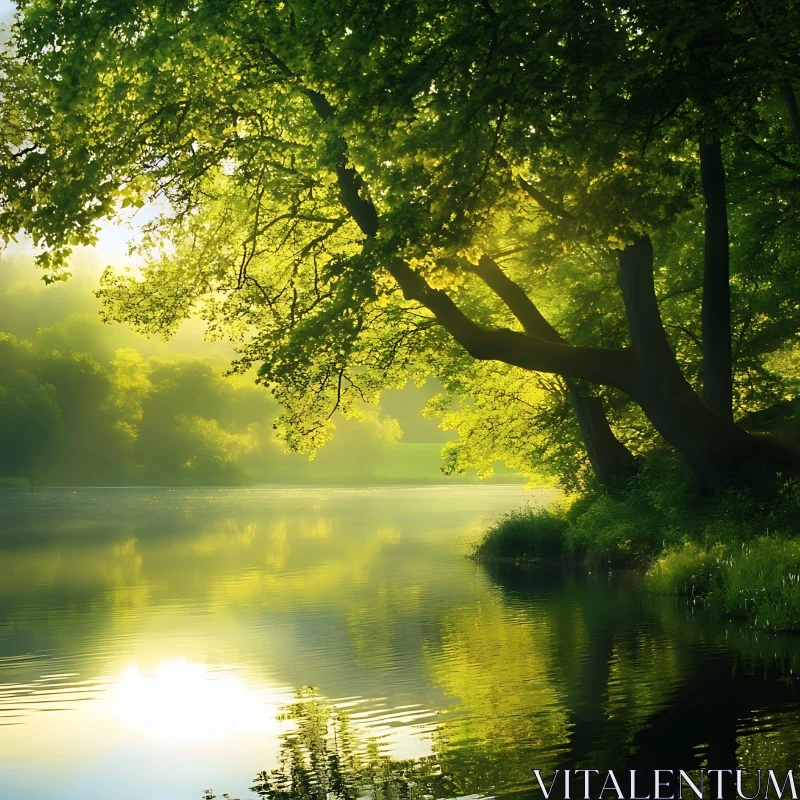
[(184, 701)]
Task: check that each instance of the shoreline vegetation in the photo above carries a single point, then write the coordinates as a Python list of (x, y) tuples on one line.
[(737, 549)]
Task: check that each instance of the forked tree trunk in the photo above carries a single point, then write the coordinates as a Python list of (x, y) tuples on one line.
[(716, 313), (713, 446), (612, 462)]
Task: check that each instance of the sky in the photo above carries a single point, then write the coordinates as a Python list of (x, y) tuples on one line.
[(6, 13)]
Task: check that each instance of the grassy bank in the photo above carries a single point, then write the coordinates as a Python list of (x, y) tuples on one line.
[(738, 549), (757, 580)]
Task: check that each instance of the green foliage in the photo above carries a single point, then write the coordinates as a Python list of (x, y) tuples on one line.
[(737, 550), (761, 582), (68, 419), (621, 529), (90, 403), (661, 508), (688, 569), (30, 419), (520, 418), (525, 534), (545, 135)]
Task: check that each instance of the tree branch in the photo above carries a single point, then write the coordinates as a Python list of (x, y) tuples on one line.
[(543, 200), (678, 291), (540, 197), (750, 142), (517, 300), (606, 367)]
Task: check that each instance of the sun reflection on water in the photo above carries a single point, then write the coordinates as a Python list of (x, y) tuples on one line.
[(186, 701)]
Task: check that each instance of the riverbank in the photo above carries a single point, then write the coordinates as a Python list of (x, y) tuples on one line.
[(737, 549)]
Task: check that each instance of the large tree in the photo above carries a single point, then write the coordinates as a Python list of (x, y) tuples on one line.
[(364, 191)]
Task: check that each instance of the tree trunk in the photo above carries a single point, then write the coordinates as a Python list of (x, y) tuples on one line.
[(791, 109), (716, 313), (611, 461), (713, 446)]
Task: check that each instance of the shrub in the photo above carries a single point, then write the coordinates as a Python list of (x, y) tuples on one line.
[(616, 532), (736, 547)]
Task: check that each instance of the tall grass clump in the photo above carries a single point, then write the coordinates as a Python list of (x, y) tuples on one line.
[(688, 570), (525, 534)]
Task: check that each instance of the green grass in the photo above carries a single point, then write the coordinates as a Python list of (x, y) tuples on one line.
[(737, 549), (401, 463), (758, 581), (688, 570)]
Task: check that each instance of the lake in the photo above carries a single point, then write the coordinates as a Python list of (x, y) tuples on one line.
[(151, 641)]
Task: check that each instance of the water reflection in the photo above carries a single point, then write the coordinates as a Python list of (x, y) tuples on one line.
[(171, 629), (323, 757), (653, 683)]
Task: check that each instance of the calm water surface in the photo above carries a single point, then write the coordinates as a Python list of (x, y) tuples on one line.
[(151, 639)]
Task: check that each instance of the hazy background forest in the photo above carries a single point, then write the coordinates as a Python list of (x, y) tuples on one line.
[(88, 403)]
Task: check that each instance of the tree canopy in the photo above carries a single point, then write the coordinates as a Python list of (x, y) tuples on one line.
[(539, 203)]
